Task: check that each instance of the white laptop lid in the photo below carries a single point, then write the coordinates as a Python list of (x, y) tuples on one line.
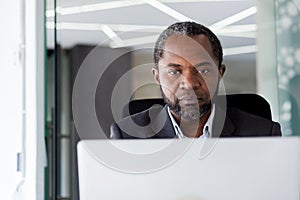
[(227, 169)]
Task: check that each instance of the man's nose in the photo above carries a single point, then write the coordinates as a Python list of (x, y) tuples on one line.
[(190, 81)]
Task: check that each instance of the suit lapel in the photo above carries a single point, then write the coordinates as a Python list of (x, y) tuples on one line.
[(228, 128), (163, 125), (222, 125)]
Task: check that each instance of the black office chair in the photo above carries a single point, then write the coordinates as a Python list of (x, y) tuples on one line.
[(251, 103)]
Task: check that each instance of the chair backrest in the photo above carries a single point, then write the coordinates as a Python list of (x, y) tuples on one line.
[(251, 103)]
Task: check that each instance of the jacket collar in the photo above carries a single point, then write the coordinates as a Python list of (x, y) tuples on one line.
[(222, 124), (167, 131)]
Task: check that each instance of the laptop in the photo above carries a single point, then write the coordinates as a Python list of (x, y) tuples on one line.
[(190, 169)]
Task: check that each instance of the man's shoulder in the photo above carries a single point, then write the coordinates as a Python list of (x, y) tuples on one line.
[(245, 121), (140, 125), (144, 117), (240, 115)]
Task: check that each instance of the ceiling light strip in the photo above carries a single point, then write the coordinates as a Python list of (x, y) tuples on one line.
[(100, 6), (135, 41), (93, 7), (244, 31), (239, 35), (167, 10), (234, 18), (78, 26), (240, 50), (111, 34), (238, 29), (136, 28), (117, 4), (97, 27)]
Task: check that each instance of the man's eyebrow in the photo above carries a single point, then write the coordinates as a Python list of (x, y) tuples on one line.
[(203, 64), (174, 65)]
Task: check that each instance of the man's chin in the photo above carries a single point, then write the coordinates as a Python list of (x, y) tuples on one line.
[(188, 111), (193, 111)]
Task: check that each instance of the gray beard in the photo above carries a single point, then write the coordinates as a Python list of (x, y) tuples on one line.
[(192, 112)]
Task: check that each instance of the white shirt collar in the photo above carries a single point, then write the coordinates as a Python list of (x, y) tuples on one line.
[(207, 129)]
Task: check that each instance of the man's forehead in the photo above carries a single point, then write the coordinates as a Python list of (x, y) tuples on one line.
[(188, 46)]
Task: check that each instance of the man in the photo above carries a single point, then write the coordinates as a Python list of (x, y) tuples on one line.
[(188, 68)]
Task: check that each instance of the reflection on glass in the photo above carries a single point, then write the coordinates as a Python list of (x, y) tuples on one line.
[(288, 63)]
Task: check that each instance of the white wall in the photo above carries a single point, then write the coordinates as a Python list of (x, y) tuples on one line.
[(11, 98), (21, 102)]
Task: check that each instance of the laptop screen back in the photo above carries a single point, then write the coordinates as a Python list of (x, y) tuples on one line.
[(256, 168)]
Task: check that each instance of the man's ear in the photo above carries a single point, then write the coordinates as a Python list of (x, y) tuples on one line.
[(222, 70), (155, 74)]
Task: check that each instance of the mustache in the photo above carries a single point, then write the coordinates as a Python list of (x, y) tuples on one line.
[(189, 95), (192, 115)]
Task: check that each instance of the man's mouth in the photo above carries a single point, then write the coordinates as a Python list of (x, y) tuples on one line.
[(190, 100)]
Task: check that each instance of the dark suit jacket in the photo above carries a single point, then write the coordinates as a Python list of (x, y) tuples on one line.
[(232, 123)]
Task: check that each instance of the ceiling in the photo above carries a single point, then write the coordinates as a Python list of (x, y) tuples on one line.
[(137, 23)]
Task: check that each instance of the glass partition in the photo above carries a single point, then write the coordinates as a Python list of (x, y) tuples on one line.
[(117, 37), (288, 64)]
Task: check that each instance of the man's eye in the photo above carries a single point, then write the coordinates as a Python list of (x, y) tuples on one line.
[(173, 72), (203, 71)]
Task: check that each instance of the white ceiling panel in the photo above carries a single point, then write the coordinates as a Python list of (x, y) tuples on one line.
[(138, 22)]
